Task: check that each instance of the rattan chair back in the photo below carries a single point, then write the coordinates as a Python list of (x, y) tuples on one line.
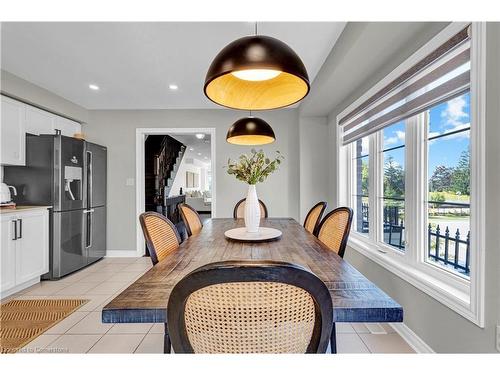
[(334, 229), (313, 218), (191, 218), (250, 307), (160, 234), (239, 209)]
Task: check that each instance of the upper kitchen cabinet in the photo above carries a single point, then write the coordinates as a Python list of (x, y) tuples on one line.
[(13, 132), (39, 121), (18, 119), (67, 127)]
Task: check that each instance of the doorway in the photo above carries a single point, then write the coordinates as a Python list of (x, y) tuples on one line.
[(174, 165)]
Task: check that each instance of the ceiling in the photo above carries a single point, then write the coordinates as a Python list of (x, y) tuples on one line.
[(366, 53), (133, 63), (198, 149)]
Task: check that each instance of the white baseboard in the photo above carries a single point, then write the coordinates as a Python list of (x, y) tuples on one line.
[(411, 338), (20, 287), (122, 254)]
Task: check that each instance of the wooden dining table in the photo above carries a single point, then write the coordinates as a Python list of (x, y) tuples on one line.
[(354, 298)]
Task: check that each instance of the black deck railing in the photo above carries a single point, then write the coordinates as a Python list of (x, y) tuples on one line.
[(444, 247), (451, 246)]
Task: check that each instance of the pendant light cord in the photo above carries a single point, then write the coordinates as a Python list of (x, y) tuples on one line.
[(255, 28)]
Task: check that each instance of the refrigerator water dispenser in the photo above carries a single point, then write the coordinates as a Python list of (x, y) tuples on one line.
[(73, 183)]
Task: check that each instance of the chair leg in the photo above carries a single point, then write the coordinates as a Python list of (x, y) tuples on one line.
[(166, 341), (333, 340)]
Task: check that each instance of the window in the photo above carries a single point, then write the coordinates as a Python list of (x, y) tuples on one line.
[(448, 171), (393, 197), (360, 196), (415, 146)]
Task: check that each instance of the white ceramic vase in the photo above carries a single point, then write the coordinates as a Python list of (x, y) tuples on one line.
[(252, 210)]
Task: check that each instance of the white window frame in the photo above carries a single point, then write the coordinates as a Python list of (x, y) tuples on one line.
[(466, 297)]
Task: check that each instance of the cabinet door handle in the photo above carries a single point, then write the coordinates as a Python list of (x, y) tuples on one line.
[(15, 230), (20, 228)]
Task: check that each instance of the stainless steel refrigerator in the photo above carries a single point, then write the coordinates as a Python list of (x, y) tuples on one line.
[(68, 174)]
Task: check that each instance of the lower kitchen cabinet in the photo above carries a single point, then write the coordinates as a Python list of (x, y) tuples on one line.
[(25, 249), (7, 254)]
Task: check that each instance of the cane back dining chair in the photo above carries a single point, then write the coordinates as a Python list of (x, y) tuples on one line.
[(313, 218), (250, 307), (333, 231), (239, 209), (162, 239), (191, 218), (160, 234)]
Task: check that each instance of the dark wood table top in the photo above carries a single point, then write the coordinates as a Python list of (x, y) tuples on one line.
[(355, 299)]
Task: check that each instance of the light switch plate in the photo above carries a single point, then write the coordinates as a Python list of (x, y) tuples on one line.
[(129, 182)]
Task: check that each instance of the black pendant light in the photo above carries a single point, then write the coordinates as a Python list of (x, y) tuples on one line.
[(250, 131), (256, 73)]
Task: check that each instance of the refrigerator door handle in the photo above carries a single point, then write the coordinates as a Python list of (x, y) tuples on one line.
[(89, 176), (89, 234)]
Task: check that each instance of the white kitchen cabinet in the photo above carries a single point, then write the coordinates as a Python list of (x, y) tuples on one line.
[(25, 249), (32, 257), (7, 253), (39, 121), (13, 134), (67, 127), (18, 119)]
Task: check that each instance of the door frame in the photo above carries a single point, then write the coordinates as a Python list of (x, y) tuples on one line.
[(140, 138)]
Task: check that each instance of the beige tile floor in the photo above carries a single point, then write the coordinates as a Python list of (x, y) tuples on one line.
[(83, 331)]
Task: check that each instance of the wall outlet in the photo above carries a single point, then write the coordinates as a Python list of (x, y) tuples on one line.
[(498, 338), (129, 182)]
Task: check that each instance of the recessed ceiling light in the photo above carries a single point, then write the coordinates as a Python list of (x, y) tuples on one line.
[(191, 149), (205, 157), (173, 86), (93, 87), (199, 153), (200, 135)]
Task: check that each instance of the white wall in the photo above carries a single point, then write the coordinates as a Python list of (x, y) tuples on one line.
[(116, 130), (187, 165), (314, 163)]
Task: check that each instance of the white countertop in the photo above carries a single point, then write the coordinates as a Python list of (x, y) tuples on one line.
[(23, 208)]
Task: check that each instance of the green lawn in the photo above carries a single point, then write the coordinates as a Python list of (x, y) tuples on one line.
[(452, 197)]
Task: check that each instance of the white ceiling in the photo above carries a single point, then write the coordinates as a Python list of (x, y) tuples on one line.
[(134, 62), (367, 52), (198, 149)]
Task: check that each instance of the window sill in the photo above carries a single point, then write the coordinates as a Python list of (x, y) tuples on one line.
[(449, 295)]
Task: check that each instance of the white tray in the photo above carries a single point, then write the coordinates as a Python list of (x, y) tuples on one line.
[(264, 234)]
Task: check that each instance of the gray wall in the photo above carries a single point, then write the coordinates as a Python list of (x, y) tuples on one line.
[(314, 163), (116, 130), (440, 327)]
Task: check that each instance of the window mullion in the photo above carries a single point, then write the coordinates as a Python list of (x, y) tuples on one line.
[(421, 184), (376, 183), (414, 191)]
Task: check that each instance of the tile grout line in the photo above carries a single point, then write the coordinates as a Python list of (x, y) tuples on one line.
[(364, 343), (83, 317), (137, 347)]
